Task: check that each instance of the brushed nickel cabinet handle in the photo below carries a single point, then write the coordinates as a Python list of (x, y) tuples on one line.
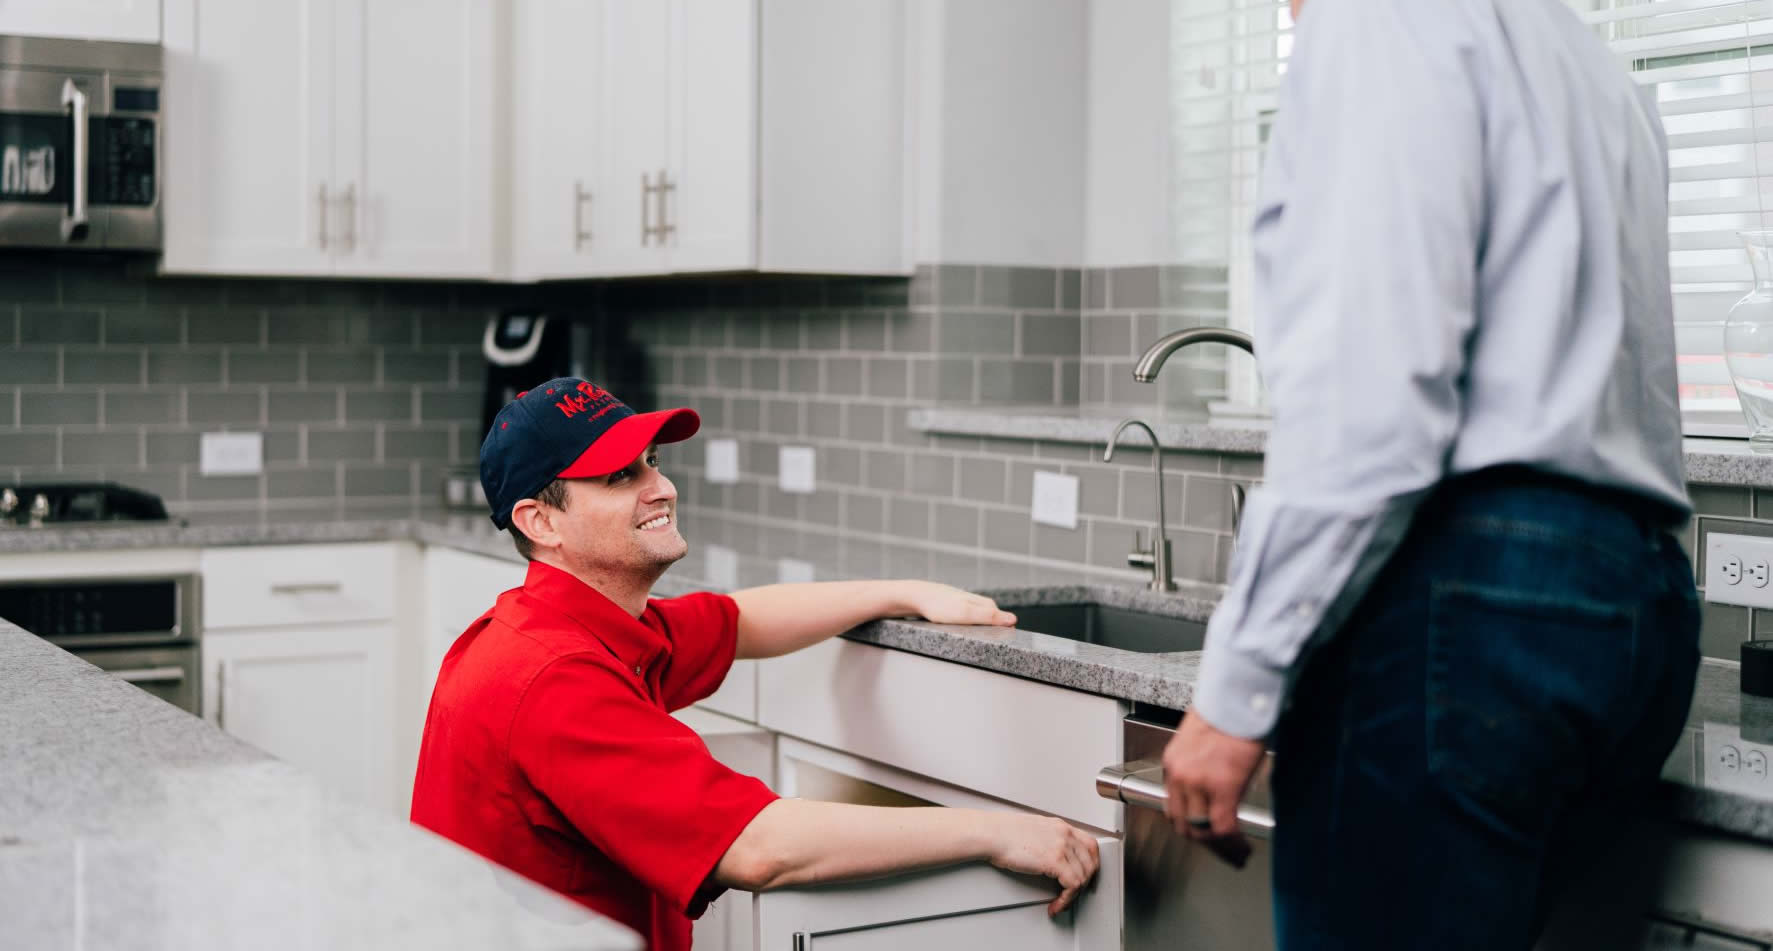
[(221, 696), (350, 200), (667, 227), (581, 198), (309, 587), (323, 211)]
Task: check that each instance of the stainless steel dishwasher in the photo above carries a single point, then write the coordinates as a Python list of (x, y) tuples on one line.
[(1178, 893)]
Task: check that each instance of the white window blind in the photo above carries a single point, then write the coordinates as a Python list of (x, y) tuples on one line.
[(1707, 63)]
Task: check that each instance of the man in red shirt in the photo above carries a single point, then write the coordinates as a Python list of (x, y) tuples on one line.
[(549, 746)]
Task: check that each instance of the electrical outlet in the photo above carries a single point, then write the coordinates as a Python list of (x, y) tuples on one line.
[(1055, 499), (1739, 569), (722, 464), (1733, 764), (723, 566), (1731, 569), (793, 571), (795, 469), (231, 454)]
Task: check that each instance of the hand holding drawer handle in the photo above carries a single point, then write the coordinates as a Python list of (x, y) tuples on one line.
[(309, 587), (1141, 783)]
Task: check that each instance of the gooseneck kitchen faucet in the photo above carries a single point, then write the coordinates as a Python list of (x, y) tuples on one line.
[(1158, 557)]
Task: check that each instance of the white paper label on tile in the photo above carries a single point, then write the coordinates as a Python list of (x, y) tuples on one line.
[(1055, 499), (231, 454), (723, 567), (796, 469), (723, 461), (793, 571)]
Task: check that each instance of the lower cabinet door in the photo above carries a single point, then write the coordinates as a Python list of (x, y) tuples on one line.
[(960, 907), (318, 699)]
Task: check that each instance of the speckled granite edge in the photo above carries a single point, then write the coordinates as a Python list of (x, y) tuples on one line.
[(1728, 462), (1201, 437)]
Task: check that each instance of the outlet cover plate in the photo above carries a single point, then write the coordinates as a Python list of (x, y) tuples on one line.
[(723, 567), (231, 454), (1749, 551), (795, 473), (1733, 764), (1055, 499), (723, 461)]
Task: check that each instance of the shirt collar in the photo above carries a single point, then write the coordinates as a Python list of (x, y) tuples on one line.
[(634, 643)]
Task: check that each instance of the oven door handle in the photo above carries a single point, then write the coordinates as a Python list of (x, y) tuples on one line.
[(150, 675), (1141, 783), (74, 220)]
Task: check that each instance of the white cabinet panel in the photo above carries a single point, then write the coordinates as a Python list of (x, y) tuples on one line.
[(249, 120), (1013, 739), (297, 584), (737, 696), (414, 140), (634, 139), (133, 21), (714, 129), (319, 699), (460, 587), (555, 83), (960, 907)]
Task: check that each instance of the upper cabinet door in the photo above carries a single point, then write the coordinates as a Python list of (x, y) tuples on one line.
[(714, 129), (414, 137), (556, 75), (135, 21), (249, 136), (634, 185)]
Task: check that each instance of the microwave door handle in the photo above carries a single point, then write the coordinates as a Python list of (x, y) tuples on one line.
[(74, 221)]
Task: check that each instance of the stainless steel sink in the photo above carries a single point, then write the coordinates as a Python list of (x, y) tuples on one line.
[(1095, 623)]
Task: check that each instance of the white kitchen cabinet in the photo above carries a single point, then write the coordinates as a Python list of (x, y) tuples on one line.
[(728, 923), (134, 21), (459, 587), (320, 699), (555, 125), (737, 696), (1020, 741), (960, 907), (249, 137), (331, 137), (727, 136), (414, 138)]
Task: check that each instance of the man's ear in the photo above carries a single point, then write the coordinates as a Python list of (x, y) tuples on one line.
[(535, 521)]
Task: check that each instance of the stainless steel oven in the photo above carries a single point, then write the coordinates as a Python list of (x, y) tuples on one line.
[(139, 629), (80, 139)]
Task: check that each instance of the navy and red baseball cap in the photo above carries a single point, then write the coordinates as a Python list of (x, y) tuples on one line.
[(567, 428)]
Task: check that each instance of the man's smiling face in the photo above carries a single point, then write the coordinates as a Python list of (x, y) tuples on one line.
[(622, 523)]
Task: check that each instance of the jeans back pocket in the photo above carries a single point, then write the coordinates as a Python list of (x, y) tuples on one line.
[(1522, 688)]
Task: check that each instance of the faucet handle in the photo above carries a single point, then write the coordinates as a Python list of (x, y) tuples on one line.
[(1140, 556)]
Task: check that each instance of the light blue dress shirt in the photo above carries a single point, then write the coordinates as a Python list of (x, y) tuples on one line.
[(1461, 261)]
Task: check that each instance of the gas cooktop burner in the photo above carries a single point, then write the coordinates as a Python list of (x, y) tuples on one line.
[(58, 503)]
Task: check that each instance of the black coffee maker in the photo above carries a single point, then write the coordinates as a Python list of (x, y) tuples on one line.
[(522, 347)]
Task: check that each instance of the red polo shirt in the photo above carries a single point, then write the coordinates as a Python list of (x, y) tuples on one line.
[(549, 749)]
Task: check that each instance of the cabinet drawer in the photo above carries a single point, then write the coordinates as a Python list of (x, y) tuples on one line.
[(1023, 742), (297, 584)]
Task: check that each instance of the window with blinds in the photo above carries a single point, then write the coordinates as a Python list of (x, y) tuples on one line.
[(1707, 63)]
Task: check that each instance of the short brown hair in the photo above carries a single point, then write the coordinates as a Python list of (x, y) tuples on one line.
[(552, 495)]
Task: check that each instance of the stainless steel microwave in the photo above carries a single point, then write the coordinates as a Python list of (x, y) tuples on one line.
[(80, 150)]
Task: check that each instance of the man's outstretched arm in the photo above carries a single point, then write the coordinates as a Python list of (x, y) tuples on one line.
[(779, 619)]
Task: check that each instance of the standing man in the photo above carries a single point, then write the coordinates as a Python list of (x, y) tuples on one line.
[(549, 747), (1457, 608)]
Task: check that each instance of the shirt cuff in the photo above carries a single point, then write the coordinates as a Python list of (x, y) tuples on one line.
[(1238, 694)]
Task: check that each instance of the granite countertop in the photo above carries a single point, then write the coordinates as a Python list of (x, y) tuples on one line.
[(126, 822), (728, 552), (1709, 461)]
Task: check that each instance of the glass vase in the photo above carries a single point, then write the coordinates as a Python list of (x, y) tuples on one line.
[(1748, 343)]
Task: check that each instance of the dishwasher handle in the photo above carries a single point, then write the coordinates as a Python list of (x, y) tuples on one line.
[(1141, 783)]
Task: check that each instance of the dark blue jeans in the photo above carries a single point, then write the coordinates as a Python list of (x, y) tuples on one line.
[(1505, 694)]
